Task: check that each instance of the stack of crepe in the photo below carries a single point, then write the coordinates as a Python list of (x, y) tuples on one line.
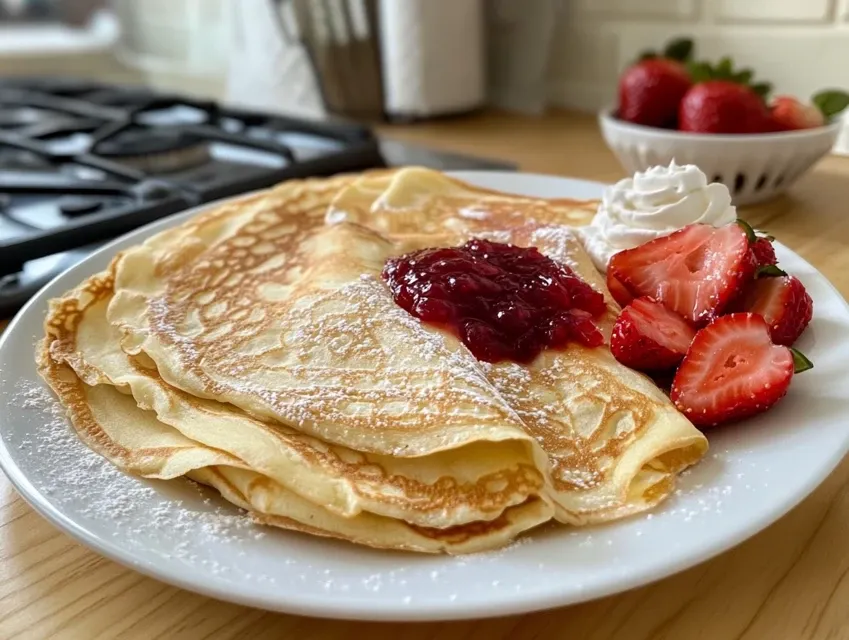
[(255, 349)]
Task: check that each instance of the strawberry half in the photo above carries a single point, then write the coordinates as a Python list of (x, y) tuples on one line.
[(763, 253), (649, 337), (622, 296), (784, 304), (732, 371), (694, 272)]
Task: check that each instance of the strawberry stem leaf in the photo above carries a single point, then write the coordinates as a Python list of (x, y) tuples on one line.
[(761, 88), (769, 271), (647, 55), (680, 49), (700, 72), (744, 76), (750, 233), (723, 69), (800, 361), (703, 71), (831, 102)]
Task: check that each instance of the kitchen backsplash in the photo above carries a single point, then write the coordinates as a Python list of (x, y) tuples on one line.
[(798, 45)]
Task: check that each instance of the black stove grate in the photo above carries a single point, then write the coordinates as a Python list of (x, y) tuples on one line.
[(81, 163)]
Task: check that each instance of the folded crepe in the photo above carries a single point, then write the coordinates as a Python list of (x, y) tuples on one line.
[(135, 441), (320, 345), (123, 409), (614, 442), (446, 489), (255, 348)]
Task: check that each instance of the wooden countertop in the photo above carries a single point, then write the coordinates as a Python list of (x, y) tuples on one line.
[(790, 581)]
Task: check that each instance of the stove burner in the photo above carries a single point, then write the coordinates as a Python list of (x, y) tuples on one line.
[(155, 150), (57, 86), (82, 162), (9, 279), (73, 206), (132, 97), (152, 190), (19, 159), (15, 117)]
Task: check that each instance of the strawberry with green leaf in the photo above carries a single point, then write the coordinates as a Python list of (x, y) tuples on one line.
[(791, 114), (651, 89), (723, 100)]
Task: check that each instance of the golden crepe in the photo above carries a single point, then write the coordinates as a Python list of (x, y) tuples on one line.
[(614, 441), (135, 441), (490, 491), (260, 341), (446, 489), (287, 319), (421, 202)]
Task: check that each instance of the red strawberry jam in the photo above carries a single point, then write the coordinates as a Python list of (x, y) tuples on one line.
[(504, 302)]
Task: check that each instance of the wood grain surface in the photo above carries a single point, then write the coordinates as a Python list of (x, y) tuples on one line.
[(790, 581)]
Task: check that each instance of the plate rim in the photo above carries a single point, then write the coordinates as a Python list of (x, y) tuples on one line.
[(360, 609)]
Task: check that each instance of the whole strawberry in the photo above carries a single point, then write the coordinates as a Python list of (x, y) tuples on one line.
[(651, 89), (790, 113), (724, 106), (760, 246), (763, 252)]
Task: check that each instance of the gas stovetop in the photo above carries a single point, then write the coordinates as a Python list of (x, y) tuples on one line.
[(81, 163)]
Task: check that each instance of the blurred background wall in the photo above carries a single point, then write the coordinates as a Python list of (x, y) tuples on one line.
[(532, 53), (800, 45)]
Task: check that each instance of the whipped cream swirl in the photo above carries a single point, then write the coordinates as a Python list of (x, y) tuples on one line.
[(653, 204)]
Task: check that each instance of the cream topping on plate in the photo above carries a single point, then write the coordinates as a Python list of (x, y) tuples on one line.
[(652, 204)]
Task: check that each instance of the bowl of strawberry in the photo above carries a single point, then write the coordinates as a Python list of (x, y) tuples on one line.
[(720, 119), (710, 315)]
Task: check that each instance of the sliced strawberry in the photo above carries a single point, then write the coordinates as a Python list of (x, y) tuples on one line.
[(764, 253), (694, 272), (649, 337), (663, 379), (622, 296), (784, 304), (731, 371)]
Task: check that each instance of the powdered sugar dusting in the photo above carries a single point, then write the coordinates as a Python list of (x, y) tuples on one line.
[(475, 213), (73, 475), (185, 523), (422, 384), (557, 242)]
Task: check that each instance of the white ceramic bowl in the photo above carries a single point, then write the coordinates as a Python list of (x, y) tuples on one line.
[(754, 167)]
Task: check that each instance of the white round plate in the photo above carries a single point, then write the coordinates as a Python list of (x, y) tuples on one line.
[(754, 473)]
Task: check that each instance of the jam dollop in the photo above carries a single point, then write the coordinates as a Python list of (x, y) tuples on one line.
[(504, 302)]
